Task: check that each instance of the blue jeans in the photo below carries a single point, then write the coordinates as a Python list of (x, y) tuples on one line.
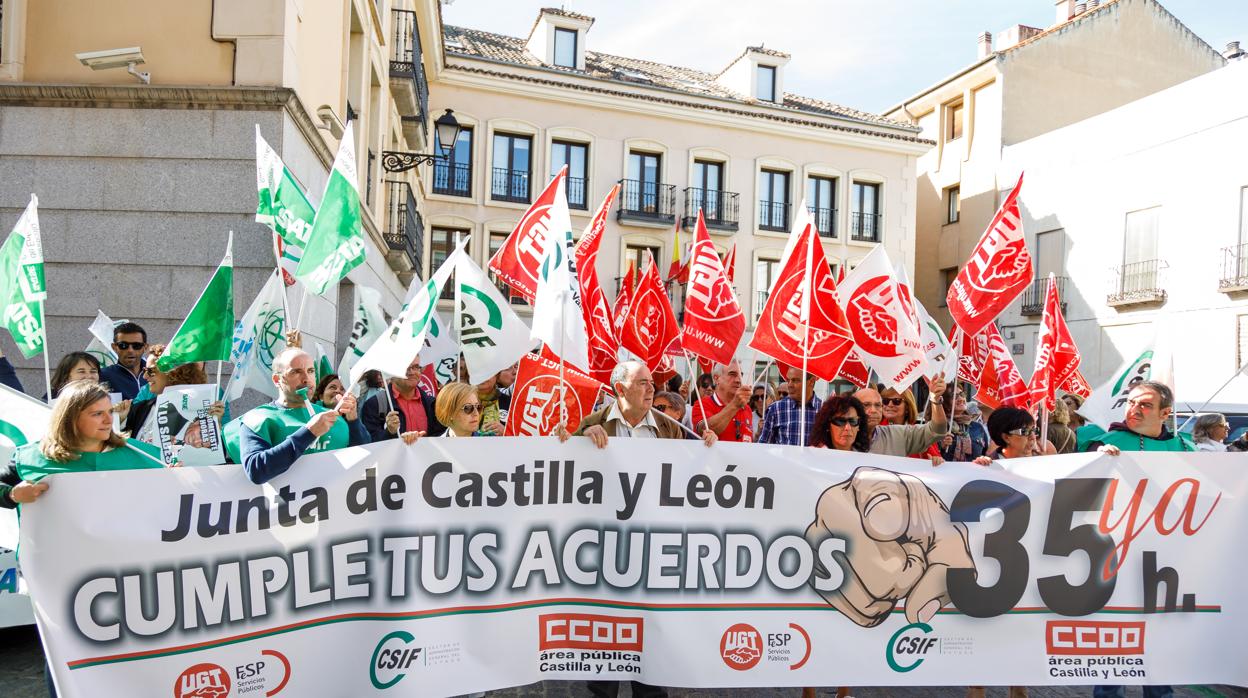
[(1119, 692)]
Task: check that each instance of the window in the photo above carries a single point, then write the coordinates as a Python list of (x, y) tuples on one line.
[(511, 168), (953, 204), (636, 254), (765, 271), (643, 171), (953, 121), (947, 277), (441, 244), (1243, 216), (773, 200), (565, 47), (1140, 242), (708, 182), (453, 176), (765, 83), (497, 238), (576, 157), (821, 198), (865, 212), (1050, 253)]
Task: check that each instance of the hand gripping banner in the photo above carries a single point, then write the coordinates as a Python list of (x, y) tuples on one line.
[(460, 565)]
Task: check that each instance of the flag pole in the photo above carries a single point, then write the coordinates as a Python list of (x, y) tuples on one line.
[(47, 370), (457, 318), (693, 378), (806, 303), (145, 454), (277, 266), (1205, 404)]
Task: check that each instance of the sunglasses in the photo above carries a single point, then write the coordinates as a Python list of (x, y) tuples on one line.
[(149, 370), (663, 408), (1032, 431), (843, 421), (892, 401), (129, 345), (472, 409)]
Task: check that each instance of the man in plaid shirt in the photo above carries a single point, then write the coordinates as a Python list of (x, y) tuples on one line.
[(783, 419)]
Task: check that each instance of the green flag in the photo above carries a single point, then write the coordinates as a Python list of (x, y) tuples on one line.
[(207, 333), (281, 204), (22, 289), (336, 243)]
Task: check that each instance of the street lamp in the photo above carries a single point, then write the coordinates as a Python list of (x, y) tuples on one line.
[(447, 129)]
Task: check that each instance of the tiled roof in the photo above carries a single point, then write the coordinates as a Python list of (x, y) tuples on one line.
[(768, 51), (473, 43), (567, 13)]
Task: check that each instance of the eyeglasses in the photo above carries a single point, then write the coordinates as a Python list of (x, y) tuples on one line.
[(662, 408), (129, 345), (844, 421), (1030, 431), (472, 408), (892, 401), (149, 371)]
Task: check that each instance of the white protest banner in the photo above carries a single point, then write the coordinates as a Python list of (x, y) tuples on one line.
[(23, 420), (185, 428), (461, 565)]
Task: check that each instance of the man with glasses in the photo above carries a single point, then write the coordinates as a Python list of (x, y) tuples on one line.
[(270, 438), (783, 420), (904, 439), (406, 409), (126, 376), (726, 411)]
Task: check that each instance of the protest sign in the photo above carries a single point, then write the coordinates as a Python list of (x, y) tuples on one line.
[(186, 431)]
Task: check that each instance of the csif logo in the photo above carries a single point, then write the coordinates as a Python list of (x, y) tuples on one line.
[(202, 681), (392, 658), (741, 647), (909, 646)]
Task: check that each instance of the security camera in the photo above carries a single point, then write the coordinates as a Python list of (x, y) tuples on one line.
[(126, 58)]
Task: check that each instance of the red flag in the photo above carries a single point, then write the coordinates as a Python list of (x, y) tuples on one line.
[(678, 270), (535, 408), (998, 270), (1078, 385), (429, 379), (623, 300), (604, 344), (1000, 371), (855, 371), (650, 326), (730, 263), (1057, 357), (714, 322), (972, 354), (802, 324), (518, 260), (664, 371)]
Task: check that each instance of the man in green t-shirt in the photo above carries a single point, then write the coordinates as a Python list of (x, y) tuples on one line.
[(270, 438), (1150, 405)]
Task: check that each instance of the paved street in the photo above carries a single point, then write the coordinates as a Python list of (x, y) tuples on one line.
[(21, 676)]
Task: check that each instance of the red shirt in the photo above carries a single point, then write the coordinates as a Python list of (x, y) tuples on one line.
[(740, 428), (413, 410)]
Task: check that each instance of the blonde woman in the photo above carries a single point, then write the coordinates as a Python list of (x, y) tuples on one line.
[(458, 408)]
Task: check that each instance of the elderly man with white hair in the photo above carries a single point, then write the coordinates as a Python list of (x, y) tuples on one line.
[(726, 411), (270, 438), (632, 414)]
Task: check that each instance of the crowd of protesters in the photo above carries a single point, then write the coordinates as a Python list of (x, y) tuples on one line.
[(315, 414)]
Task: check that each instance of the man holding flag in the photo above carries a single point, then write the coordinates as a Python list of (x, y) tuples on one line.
[(270, 438)]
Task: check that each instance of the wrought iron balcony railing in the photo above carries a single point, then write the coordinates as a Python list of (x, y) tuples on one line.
[(720, 209), (825, 221), (865, 227), (1033, 296), (1138, 283), (648, 202), (773, 215), (452, 179), (407, 73), (1234, 268), (578, 193), (510, 185), (405, 229)]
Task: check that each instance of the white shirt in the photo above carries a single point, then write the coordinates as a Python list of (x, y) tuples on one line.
[(616, 426)]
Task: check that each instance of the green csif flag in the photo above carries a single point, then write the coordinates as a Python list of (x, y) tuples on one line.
[(22, 290), (336, 243), (281, 204), (207, 333)]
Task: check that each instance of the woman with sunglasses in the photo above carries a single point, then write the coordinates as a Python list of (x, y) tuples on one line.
[(458, 408), (1015, 434), (840, 424)]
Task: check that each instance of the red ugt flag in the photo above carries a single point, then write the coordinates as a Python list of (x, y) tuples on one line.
[(1057, 357), (714, 322), (650, 326), (797, 303), (997, 272), (518, 260), (603, 340), (730, 263), (1001, 373), (623, 300), (535, 408)]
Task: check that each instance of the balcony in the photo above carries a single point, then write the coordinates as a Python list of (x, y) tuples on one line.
[(774, 216), (865, 227), (1234, 269), (578, 190), (452, 179), (647, 202), (825, 221), (720, 209), (1138, 283), (510, 185), (1033, 296), (405, 231), (760, 302), (408, 84)]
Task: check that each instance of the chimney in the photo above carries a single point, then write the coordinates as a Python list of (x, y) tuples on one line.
[(985, 44), (1233, 52), (1080, 8), (1065, 10)]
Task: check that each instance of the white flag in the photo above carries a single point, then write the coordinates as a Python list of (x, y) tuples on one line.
[(491, 335), (942, 357), (394, 350), (258, 337), (101, 345), (23, 420), (880, 319), (557, 317), (366, 326), (442, 351)]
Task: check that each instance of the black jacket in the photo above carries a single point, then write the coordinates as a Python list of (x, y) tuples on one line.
[(373, 416)]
